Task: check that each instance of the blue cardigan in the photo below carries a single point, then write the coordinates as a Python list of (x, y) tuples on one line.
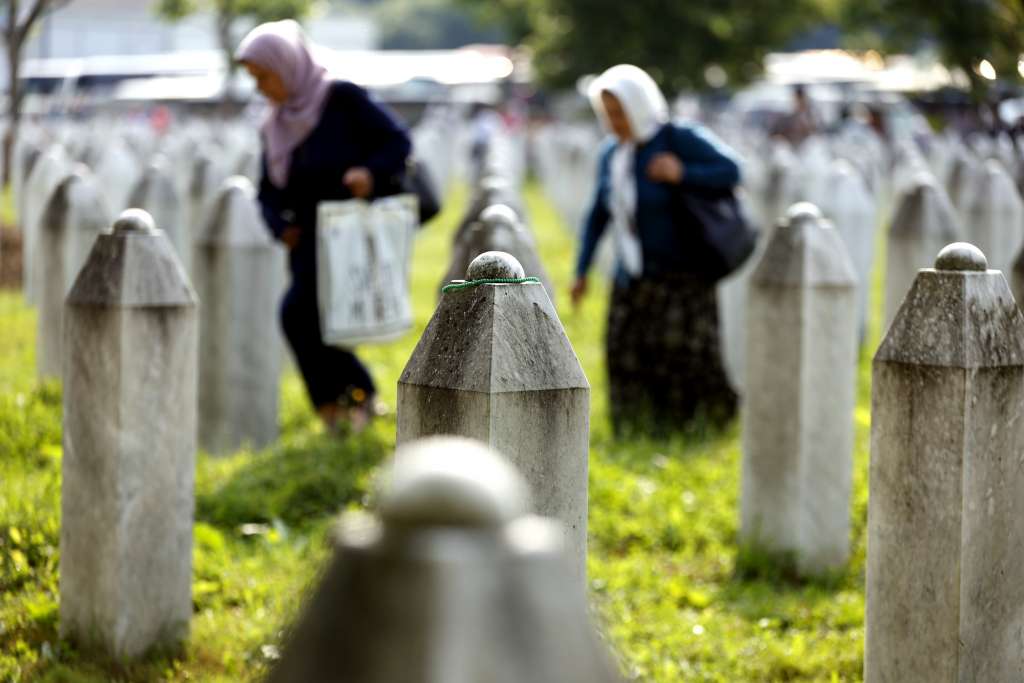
[(707, 163), (352, 131)]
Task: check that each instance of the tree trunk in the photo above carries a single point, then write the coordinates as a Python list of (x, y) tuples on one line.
[(225, 21), (13, 106), (12, 37)]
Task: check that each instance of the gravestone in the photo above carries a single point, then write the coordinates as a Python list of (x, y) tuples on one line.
[(493, 189), (27, 149), (995, 216), (130, 360), (780, 185), (812, 171), (52, 168), (924, 221), (453, 582), (71, 220), (946, 512), (157, 194), (117, 170), (494, 364), (847, 202), (799, 400), (238, 277), (249, 164), (962, 180), (498, 228), (208, 174)]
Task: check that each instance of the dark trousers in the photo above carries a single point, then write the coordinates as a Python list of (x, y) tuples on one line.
[(331, 374)]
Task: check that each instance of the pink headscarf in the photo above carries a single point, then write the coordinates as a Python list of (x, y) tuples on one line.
[(281, 46)]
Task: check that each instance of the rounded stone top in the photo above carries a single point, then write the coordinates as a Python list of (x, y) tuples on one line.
[(240, 184), (451, 481), (493, 183), (500, 214), (961, 256), (495, 265), (803, 211), (134, 220)]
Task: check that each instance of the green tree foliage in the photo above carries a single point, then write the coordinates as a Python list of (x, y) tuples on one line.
[(674, 41), (260, 10), (432, 24), (964, 32), (228, 12), (513, 16)]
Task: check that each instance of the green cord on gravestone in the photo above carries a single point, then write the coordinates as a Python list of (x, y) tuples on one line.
[(488, 281)]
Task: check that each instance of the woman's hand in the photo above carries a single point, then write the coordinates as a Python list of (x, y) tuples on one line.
[(290, 236), (665, 167), (359, 181), (578, 291)]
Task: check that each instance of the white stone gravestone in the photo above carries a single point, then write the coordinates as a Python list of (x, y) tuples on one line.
[(117, 170), (51, 169), (800, 384), (962, 179), (208, 173), (494, 364), (924, 221), (847, 202), (130, 367), (237, 271), (157, 194), (946, 512), (994, 216), (71, 220), (498, 228), (454, 583), (28, 147)]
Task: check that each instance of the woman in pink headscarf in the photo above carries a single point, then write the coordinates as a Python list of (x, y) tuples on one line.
[(323, 140)]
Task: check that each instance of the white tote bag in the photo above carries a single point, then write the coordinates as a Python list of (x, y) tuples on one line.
[(363, 254)]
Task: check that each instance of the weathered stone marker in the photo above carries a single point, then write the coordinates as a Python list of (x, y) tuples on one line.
[(206, 178), (238, 272), (848, 203), (498, 229), (800, 385), (51, 169), (454, 583), (118, 171), (945, 567), (71, 220), (494, 364), (962, 179), (995, 216), (130, 360), (157, 194), (924, 221)]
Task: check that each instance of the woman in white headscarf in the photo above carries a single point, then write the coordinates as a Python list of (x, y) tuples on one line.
[(664, 364)]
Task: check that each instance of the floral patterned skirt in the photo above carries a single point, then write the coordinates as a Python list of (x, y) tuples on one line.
[(665, 370)]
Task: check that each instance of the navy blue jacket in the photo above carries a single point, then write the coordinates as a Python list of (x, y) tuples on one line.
[(353, 131), (667, 248)]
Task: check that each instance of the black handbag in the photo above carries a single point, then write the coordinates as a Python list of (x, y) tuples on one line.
[(417, 181), (727, 239)]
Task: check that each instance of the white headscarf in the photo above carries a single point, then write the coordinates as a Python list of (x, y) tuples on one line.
[(647, 111)]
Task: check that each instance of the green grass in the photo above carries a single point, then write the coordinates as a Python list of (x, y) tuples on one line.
[(674, 596)]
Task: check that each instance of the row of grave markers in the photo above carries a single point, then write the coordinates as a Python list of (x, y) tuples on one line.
[(133, 300), (217, 234), (945, 477)]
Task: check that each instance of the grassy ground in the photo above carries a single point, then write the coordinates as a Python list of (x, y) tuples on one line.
[(676, 600)]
